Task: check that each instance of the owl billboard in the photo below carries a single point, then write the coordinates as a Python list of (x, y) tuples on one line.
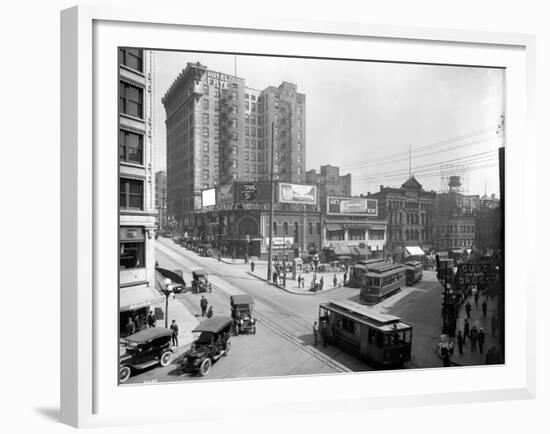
[(352, 206), (297, 193)]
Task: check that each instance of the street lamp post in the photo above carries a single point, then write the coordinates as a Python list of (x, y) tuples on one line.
[(166, 291)]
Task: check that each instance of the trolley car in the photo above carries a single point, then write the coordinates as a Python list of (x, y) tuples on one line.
[(381, 281), (381, 340), (358, 271), (413, 272)]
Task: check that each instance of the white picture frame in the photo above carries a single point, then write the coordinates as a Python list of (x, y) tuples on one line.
[(89, 392)]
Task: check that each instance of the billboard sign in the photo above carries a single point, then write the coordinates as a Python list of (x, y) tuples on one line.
[(281, 242), (297, 193), (352, 206), (480, 275), (247, 192), (208, 197), (225, 193)]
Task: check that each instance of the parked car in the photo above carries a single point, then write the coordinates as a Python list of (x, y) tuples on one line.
[(200, 282), (143, 349), (178, 284), (241, 312), (212, 344)]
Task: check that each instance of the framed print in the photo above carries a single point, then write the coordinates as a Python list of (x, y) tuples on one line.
[(324, 208)]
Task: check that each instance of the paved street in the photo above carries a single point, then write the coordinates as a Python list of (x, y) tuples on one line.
[(283, 344)]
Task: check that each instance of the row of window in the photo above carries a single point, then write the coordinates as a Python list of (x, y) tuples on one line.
[(455, 242), (296, 231)]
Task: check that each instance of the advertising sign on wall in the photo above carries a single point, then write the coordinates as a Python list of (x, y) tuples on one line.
[(209, 197), (480, 275), (252, 192), (225, 193), (281, 242), (297, 193), (352, 206)]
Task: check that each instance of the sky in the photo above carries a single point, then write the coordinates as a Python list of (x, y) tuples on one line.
[(369, 117)]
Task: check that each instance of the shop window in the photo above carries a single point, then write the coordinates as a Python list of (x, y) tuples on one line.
[(132, 255)]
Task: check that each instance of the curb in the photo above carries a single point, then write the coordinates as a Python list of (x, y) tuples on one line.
[(289, 290)]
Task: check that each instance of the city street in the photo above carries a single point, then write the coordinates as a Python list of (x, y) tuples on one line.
[(283, 344)]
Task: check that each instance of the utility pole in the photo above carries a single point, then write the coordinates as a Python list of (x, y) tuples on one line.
[(271, 201)]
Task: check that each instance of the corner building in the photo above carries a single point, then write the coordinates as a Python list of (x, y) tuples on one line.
[(219, 131), (137, 215)]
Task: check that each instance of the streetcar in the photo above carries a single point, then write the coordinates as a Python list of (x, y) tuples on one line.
[(379, 339), (413, 272), (381, 281), (358, 271)]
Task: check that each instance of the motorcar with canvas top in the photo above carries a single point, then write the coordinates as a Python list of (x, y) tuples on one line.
[(242, 313), (200, 282), (143, 349), (212, 344)]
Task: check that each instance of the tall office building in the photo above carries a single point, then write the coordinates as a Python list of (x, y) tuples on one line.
[(136, 185), (219, 131)]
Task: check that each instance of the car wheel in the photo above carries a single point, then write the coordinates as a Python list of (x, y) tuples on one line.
[(227, 348), (206, 365), (124, 374), (166, 358)]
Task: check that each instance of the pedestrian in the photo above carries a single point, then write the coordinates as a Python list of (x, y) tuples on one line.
[(484, 308), (130, 326), (137, 322), (210, 312), (312, 285), (466, 333), (151, 319), (299, 280), (252, 265), (246, 258), (345, 277), (476, 297), (494, 325), (335, 281), (468, 308), (234, 257), (324, 333), (480, 340), (446, 359), (460, 342), (219, 256), (321, 283), (204, 305), (275, 278), (315, 333), (175, 330), (473, 339)]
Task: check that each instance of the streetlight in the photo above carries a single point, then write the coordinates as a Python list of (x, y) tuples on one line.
[(166, 291)]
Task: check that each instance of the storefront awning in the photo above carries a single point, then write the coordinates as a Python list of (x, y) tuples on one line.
[(331, 227), (457, 251), (414, 251), (137, 297)]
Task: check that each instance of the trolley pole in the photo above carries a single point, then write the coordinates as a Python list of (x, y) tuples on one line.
[(271, 201)]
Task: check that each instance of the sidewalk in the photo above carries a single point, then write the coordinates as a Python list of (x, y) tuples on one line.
[(475, 357), (260, 272), (185, 320)]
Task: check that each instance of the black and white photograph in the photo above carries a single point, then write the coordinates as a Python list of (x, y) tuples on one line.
[(283, 216)]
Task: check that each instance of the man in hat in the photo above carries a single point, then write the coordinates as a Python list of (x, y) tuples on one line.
[(151, 319)]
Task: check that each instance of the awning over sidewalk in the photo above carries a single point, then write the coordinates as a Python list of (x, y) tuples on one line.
[(137, 297), (414, 251)]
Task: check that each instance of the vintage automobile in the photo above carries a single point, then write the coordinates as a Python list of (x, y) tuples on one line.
[(200, 282), (205, 249), (241, 312), (143, 349), (212, 343), (178, 284)]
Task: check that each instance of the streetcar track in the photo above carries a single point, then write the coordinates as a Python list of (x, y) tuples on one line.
[(277, 329)]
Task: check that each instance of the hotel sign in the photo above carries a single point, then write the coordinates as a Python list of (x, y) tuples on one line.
[(297, 193), (352, 206), (217, 80)]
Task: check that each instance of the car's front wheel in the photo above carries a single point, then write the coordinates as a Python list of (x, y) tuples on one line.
[(166, 358), (206, 365), (124, 374)]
